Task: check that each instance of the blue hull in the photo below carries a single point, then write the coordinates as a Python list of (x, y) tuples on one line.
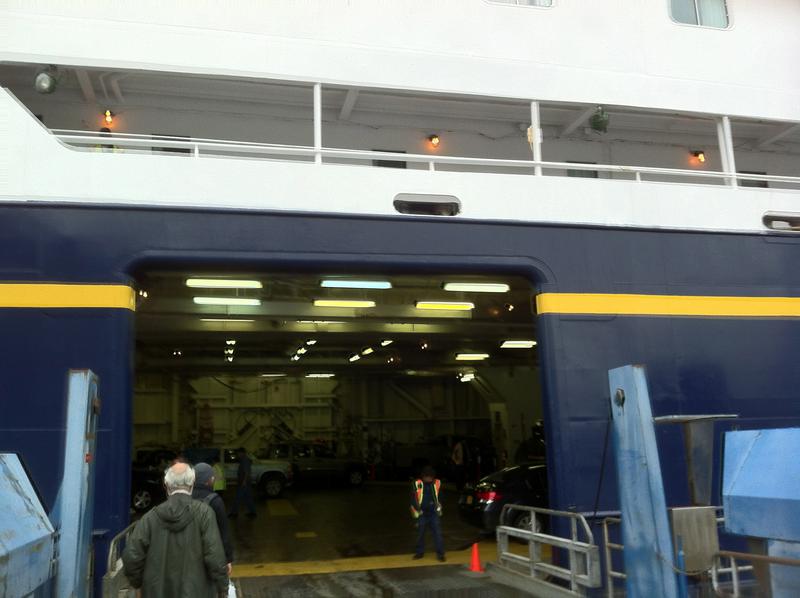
[(695, 364)]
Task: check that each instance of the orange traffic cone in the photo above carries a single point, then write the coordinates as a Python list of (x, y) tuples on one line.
[(475, 562)]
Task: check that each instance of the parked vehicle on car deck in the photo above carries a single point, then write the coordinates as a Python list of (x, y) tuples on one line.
[(317, 463), (269, 476), (482, 504)]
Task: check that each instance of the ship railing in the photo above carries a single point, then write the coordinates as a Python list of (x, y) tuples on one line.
[(115, 584), (537, 568), (199, 147)]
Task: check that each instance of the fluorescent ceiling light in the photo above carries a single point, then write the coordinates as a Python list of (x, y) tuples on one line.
[(356, 303), (310, 342), (295, 358), (318, 322), (233, 320), (386, 343), (367, 351), (446, 305), (302, 351), (355, 357), (273, 375), (320, 375), (472, 356), (222, 283), (477, 287), (518, 344), (226, 301), (355, 284)]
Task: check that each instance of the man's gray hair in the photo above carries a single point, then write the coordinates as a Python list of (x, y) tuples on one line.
[(179, 477)]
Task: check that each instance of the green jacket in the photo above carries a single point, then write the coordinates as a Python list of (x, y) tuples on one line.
[(175, 552)]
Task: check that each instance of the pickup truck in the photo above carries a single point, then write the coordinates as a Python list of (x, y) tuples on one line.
[(269, 476)]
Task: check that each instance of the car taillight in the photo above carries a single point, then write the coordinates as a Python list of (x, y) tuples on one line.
[(489, 495)]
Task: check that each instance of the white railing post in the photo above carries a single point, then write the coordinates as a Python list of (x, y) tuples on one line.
[(431, 166), (536, 137), (196, 150), (725, 140), (318, 123)]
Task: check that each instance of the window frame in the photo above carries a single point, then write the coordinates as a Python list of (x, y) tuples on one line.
[(509, 4), (698, 25)]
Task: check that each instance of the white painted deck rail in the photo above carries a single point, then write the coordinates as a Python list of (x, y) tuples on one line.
[(183, 147)]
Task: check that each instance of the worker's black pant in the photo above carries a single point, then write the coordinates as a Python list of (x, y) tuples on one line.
[(429, 520)]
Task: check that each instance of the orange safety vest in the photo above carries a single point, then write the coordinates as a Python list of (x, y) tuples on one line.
[(419, 489)]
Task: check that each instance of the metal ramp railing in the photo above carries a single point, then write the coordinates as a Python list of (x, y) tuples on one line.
[(115, 584), (534, 571)]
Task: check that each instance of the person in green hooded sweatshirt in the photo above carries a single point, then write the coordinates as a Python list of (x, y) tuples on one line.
[(175, 550)]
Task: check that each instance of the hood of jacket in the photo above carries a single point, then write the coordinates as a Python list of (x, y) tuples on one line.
[(175, 513)]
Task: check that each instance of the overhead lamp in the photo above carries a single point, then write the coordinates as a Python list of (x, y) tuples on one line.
[(229, 351), (471, 356), (302, 351), (434, 140), (390, 360), (477, 287), (177, 353), (310, 342), (319, 322), (354, 357), (320, 375), (336, 283), (698, 155), (46, 80), (423, 345), (466, 376), (222, 283), (229, 358), (386, 343), (230, 341), (518, 344), (353, 303), (367, 351), (142, 293), (228, 320), (226, 301), (294, 358), (275, 375), (108, 117), (445, 305)]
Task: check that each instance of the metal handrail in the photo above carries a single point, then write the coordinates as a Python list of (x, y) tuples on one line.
[(583, 568), (113, 547), (209, 146)]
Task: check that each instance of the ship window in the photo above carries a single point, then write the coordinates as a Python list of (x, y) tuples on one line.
[(752, 182), (580, 173), (539, 3), (708, 13)]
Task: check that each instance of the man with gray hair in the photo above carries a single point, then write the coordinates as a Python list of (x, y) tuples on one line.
[(175, 550)]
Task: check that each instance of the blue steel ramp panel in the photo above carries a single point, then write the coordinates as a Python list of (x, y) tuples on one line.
[(26, 534), (645, 527), (761, 483)]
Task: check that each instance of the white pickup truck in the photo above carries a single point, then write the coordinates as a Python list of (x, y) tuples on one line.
[(270, 476)]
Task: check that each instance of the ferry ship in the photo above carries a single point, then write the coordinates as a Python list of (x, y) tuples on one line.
[(629, 170)]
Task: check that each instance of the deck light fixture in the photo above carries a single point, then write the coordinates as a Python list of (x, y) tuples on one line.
[(471, 356), (353, 303), (320, 375), (434, 140), (355, 284), (310, 342), (386, 343), (302, 351), (230, 341), (319, 322), (367, 351), (294, 358), (108, 117), (276, 375), (46, 80), (526, 344), (222, 283), (354, 357), (227, 301), (698, 155), (445, 305), (476, 287)]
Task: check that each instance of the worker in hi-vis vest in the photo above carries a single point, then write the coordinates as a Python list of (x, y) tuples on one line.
[(426, 510)]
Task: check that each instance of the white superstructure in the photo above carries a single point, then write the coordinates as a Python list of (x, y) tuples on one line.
[(281, 105)]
